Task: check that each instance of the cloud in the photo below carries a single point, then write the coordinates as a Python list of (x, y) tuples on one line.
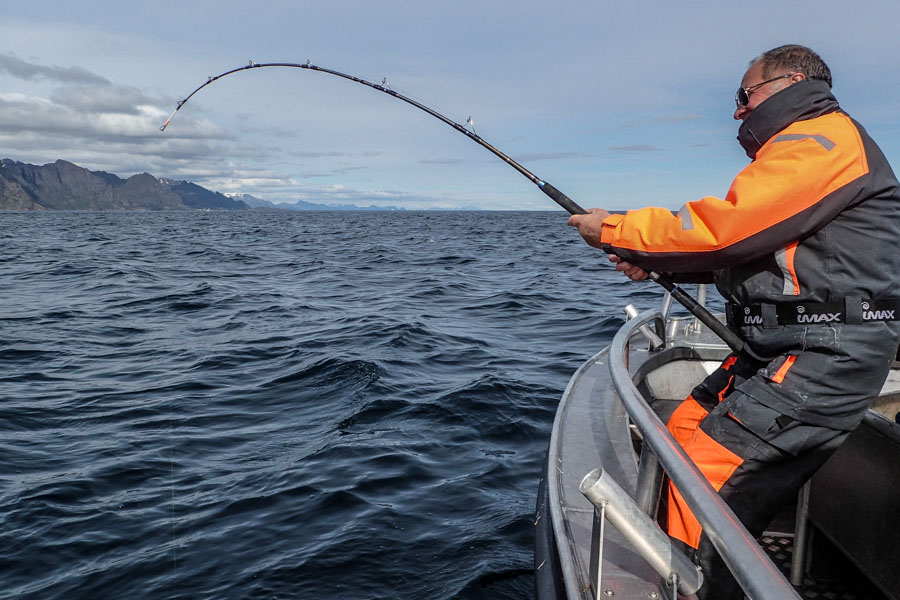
[(348, 169), (333, 172), (21, 69), (307, 154), (280, 188), (634, 148), (678, 118), (102, 99), (441, 161), (108, 116), (87, 119), (536, 156)]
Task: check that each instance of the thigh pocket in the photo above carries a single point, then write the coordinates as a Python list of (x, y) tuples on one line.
[(767, 426), (774, 429)]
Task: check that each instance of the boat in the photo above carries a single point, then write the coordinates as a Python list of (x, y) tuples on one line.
[(596, 535)]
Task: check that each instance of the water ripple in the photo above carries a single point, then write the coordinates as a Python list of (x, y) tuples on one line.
[(285, 405)]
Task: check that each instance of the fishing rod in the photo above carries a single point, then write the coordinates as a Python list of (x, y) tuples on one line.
[(678, 294)]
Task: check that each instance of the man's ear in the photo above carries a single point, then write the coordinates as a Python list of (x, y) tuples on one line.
[(798, 77)]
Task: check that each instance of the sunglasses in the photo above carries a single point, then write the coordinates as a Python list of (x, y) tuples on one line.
[(742, 96)]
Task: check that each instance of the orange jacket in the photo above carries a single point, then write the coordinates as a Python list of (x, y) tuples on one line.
[(814, 217)]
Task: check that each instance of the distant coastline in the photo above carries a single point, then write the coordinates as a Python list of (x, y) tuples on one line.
[(66, 186)]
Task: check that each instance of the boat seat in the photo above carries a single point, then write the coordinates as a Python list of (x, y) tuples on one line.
[(855, 497)]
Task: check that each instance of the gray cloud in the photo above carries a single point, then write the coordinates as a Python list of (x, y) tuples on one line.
[(102, 99), (680, 118), (333, 172), (307, 154), (635, 148), (442, 161), (348, 169), (109, 116), (536, 156), (649, 122), (17, 67), (281, 188)]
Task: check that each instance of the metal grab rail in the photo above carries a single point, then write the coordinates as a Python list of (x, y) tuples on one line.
[(752, 569)]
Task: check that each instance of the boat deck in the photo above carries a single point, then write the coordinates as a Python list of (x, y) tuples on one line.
[(852, 585)]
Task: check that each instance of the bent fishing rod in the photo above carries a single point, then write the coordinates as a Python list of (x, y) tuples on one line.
[(678, 294)]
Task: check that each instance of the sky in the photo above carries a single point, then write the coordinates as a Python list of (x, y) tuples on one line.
[(619, 104)]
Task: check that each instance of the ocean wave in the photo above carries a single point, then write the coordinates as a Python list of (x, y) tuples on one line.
[(255, 405)]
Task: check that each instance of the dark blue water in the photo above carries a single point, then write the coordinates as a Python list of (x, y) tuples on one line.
[(285, 405)]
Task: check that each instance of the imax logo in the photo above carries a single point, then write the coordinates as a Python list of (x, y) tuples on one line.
[(819, 318), (878, 315)]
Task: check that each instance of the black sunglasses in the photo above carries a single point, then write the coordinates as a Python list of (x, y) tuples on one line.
[(742, 96)]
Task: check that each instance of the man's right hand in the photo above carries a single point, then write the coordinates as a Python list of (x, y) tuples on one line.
[(590, 225)]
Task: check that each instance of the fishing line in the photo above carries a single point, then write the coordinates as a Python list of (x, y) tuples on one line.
[(468, 130)]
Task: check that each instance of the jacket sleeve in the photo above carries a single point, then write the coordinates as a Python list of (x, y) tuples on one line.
[(801, 179), (696, 277)]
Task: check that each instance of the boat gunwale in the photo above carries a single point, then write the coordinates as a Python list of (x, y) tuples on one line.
[(566, 559)]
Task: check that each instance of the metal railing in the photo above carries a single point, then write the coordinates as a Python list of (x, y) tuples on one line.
[(752, 569)]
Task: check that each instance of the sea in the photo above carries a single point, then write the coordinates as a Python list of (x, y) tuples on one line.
[(279, 404)]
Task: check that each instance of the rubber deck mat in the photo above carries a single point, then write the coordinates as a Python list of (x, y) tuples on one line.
[(780, 548)]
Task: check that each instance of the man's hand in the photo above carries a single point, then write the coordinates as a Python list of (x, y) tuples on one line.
[(631, 271), (590, 225)]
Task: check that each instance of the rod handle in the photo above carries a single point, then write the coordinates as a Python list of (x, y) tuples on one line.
[(561, 199)]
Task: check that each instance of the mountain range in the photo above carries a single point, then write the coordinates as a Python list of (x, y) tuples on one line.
[(65, 186), (254, 202)]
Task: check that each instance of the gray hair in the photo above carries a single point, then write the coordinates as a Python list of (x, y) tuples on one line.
[(794, 58)]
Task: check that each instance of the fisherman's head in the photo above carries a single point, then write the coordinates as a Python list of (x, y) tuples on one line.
[(775, 70)]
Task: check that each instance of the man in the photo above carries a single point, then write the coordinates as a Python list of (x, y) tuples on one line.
[(804, 250)]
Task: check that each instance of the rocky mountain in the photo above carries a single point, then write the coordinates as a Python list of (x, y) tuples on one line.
[(195, 196), (66, 186), (253, 201)]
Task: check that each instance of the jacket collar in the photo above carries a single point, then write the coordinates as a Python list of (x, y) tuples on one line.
[(804, 100)]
